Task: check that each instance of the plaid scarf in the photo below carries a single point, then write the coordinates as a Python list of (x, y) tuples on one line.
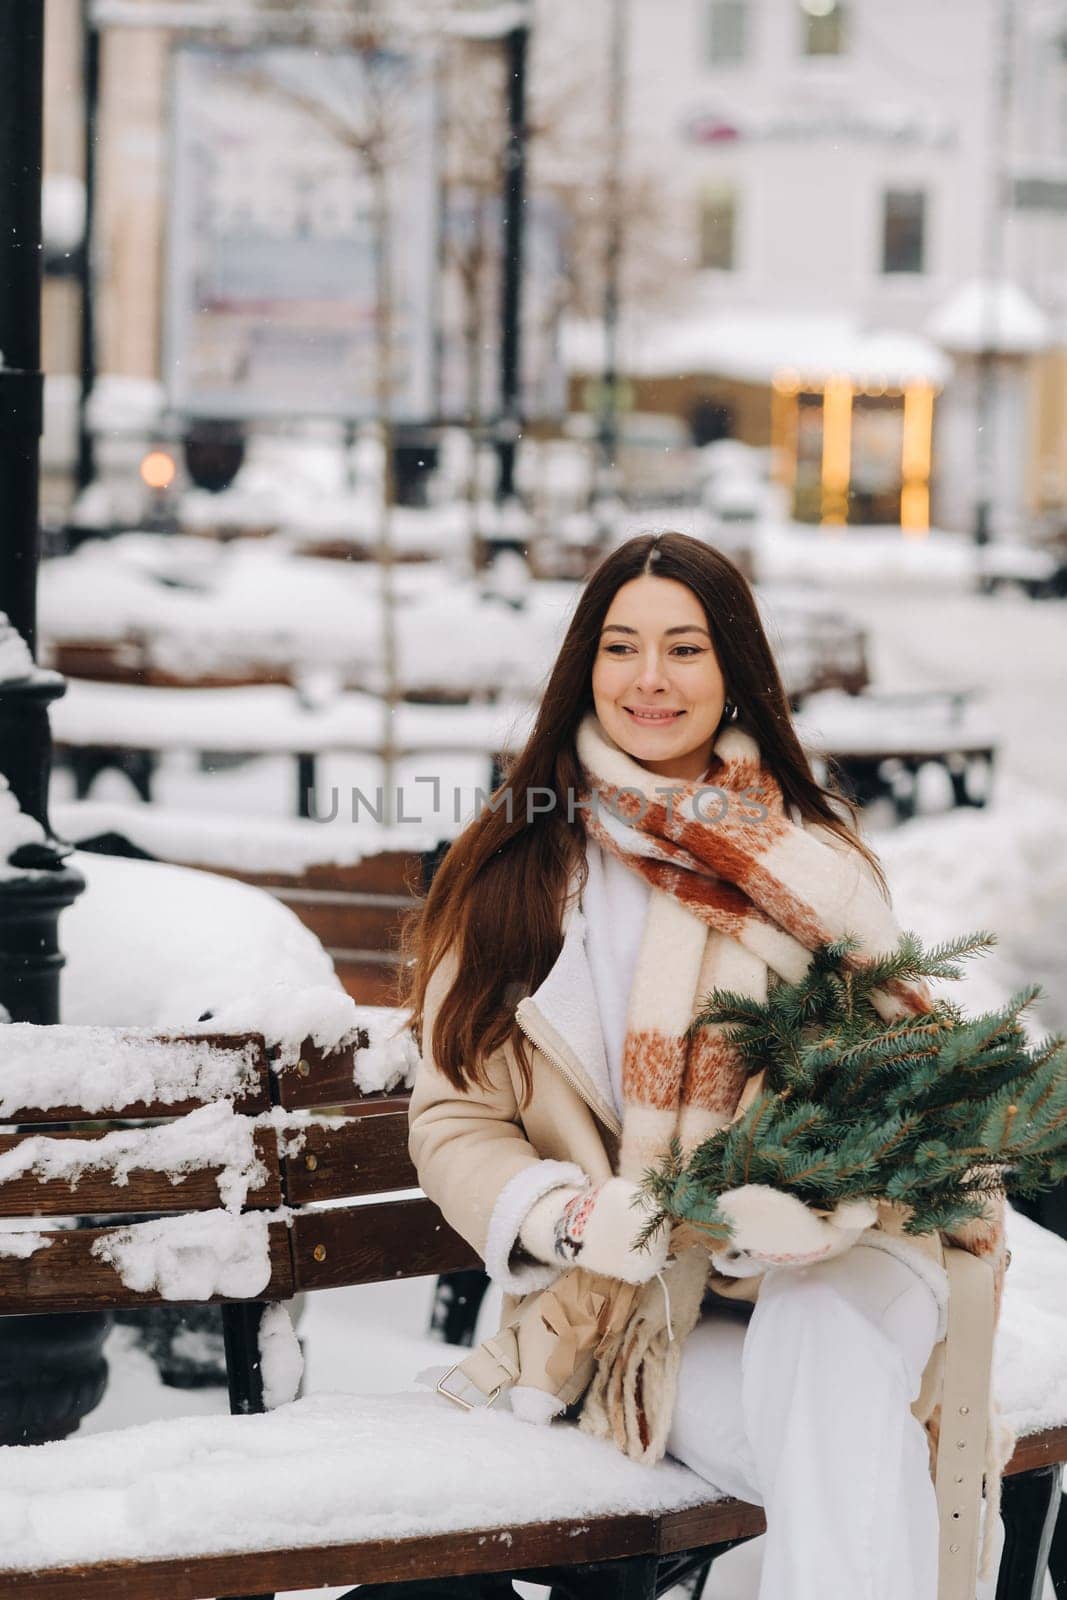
[(739, 893)]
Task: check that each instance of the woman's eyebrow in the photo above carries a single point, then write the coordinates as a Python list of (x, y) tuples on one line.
[(687, 627)]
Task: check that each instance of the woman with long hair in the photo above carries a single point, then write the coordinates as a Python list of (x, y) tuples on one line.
[(662, 834)]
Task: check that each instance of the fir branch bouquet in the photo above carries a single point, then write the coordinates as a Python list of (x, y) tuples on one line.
[(934, 1111)]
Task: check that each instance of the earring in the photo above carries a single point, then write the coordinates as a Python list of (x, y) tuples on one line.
[(730, 712)]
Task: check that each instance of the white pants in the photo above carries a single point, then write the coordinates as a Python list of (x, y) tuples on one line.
[(806, 1411)]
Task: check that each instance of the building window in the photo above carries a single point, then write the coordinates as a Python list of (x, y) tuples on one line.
[(727, 32), (904, 230), (824, 27), (718, 228)]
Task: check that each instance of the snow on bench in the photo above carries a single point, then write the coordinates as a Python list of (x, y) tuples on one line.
[(365, 1467), (335, 1469), (272, 720)]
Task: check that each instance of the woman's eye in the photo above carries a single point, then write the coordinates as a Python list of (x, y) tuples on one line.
[(616, 649), (690, 649)]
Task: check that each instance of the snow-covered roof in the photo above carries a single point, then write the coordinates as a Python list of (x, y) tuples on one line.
[(757, 346), (983, 315)]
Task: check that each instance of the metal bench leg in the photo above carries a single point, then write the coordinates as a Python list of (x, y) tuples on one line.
[(1057, 1561), (1031, 1503), (631, 1579), (240, 1328), (456, 1304)]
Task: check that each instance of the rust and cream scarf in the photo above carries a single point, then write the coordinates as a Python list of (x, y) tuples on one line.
[(739, 893)]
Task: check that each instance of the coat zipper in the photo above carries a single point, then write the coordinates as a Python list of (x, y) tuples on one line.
[(569, 1077)]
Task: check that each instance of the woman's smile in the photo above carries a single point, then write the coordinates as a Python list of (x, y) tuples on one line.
[(639, 714)]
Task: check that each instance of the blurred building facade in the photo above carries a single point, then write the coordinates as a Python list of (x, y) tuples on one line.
[(840, 176), (842, 173)]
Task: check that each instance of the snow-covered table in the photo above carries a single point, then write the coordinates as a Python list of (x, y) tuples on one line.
[(105, 718), (882, 738)]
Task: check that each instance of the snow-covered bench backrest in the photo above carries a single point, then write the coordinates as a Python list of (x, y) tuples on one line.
[(213, 1150)]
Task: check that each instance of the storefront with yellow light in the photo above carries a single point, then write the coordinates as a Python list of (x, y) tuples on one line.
[(854, 450), (849, 411)]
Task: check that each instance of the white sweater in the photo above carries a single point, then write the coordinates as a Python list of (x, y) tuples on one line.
[(614, 904)]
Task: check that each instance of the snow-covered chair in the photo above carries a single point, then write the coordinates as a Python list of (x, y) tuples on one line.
[(252, 1194)]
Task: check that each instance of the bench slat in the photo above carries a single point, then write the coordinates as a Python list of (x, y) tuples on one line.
[(96, 1192), (66, 1276), (368, 1154), (711, 1523), (374, 1244), (379, 1561), (318, 1079), (251, 1098)]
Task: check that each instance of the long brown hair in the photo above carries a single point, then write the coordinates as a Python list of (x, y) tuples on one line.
[(498, 896)]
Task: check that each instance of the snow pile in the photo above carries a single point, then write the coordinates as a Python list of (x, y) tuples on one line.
[(16, 662), (241, 844), (1002, 868), (287, 1015), (872, 722), (99, 1069), (368, 1467), (155, 946), (118, 404), (1030, 1369), (281, 1361), (193, 1257), (834, 557), (212, 1136), (19, 1244), (391, 1058), (62, 212), (16, 830)]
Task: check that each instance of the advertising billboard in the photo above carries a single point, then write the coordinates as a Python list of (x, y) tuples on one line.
[(273, 236)]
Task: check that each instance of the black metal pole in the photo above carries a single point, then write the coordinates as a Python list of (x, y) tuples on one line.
[(510, 427), (86, 464), (30, 902), (52, 1370), (986, 371), (21, 384), (608, 429)]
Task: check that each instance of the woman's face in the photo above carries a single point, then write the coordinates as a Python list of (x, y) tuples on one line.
[(658, 688)]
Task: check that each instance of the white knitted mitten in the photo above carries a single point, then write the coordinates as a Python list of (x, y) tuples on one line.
[(595, 1227), (771, 1229)]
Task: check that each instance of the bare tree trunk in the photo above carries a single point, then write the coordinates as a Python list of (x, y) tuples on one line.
[(474, 322), (383, 389)]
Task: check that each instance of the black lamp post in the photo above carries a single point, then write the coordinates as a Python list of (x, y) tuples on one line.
[(509, 426), (51, 1369)]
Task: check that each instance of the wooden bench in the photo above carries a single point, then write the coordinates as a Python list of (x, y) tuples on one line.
[(357, 1162)]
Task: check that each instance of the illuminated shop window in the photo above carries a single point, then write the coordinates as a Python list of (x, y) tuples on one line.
[(824, 27)]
